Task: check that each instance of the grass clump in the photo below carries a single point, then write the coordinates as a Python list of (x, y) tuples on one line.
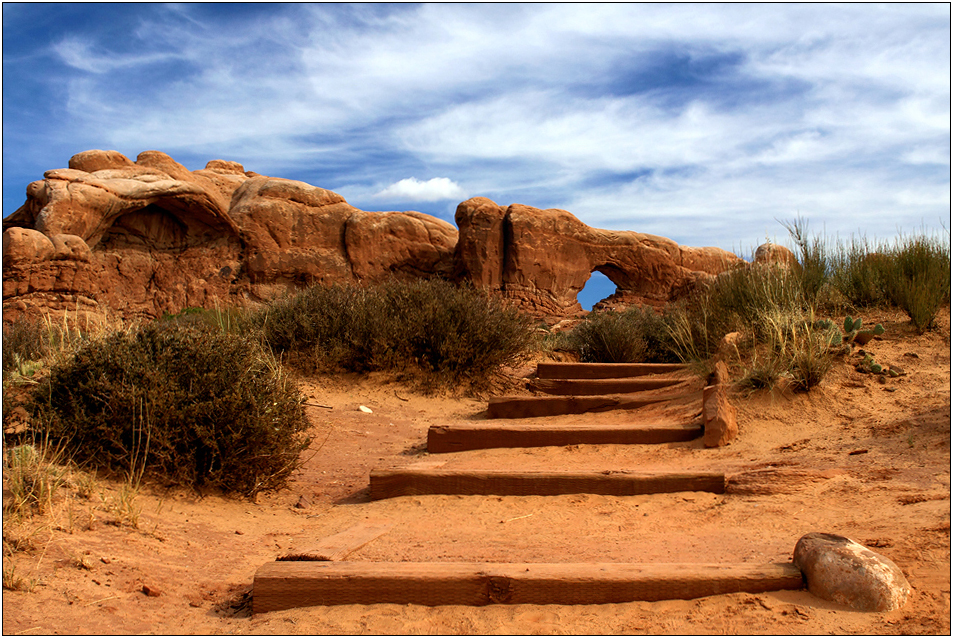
[(231, 320), (25, 340), (32, 479), (735, 301), (917, 278), (636, 335), (193, 407), (447, 332)]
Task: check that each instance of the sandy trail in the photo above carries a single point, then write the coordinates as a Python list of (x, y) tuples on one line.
[(853, 457)]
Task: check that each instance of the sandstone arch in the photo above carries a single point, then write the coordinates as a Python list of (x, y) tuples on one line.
[(543, 258), (147, 237)]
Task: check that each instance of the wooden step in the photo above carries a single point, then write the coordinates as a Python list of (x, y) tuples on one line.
[(604, 370), (527, 407), (460, 437), (412, 482), (285, 585), (587, 387)]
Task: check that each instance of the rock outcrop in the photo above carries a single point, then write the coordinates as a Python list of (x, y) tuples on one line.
[(543, 258), (769, 253), (148, 237)]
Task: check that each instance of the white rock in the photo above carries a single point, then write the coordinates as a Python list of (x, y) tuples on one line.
[(364, 408), (844, 571)]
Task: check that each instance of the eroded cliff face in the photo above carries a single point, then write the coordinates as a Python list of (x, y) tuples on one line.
[(139, 239), (142, 238)]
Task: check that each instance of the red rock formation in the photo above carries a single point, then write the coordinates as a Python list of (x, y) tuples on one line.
[(142, 238), (543, 258), (146, 237)]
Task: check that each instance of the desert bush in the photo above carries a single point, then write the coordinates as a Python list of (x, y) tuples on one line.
[(448, 332), (193, 407), (633, 336), (917, 277), (810, 359), (858, 273)]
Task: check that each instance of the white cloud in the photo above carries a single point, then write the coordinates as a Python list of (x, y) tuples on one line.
[(840, 112), (414, 190)]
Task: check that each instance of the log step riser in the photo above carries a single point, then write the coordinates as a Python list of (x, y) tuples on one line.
[(454, 438), (528, 407), (592, 387), (394, 483), (286, 585), (604, 370)]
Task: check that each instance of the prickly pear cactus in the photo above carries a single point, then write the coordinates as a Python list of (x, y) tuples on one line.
[(848, 324)]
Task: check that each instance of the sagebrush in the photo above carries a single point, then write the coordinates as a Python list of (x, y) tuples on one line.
[(635, 335), (190, 406), (450, 333)]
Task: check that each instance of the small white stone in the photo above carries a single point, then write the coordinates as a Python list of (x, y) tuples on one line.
[(364, 408)]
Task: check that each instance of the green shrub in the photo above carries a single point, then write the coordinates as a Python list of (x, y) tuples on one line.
[(858, 273), (633, 336), (810, 358), (917, 278), (450, 333), (762, 374), (195, 407)]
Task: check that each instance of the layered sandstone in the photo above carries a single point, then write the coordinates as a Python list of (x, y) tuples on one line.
[(543, 258), (148, 237)]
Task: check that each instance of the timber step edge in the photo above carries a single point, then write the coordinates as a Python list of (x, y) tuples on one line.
[(604, 370), (587, 387), (415, 482), (462, 437), (526, 407), (286, 585)]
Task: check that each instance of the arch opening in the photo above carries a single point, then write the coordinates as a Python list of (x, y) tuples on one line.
[(597, 288)]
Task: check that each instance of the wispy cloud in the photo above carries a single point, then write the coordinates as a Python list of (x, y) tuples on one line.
[(700, 122)]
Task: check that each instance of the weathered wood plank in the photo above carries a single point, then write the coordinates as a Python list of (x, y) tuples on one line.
[(587, 387), (527, 407), (409, 482), (604, 370), (285, 585), (460, 437), (340, 546)]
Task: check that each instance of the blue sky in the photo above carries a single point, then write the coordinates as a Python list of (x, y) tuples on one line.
[(702, 123)]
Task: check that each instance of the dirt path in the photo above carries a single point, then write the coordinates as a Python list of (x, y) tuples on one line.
[(853, 457)]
